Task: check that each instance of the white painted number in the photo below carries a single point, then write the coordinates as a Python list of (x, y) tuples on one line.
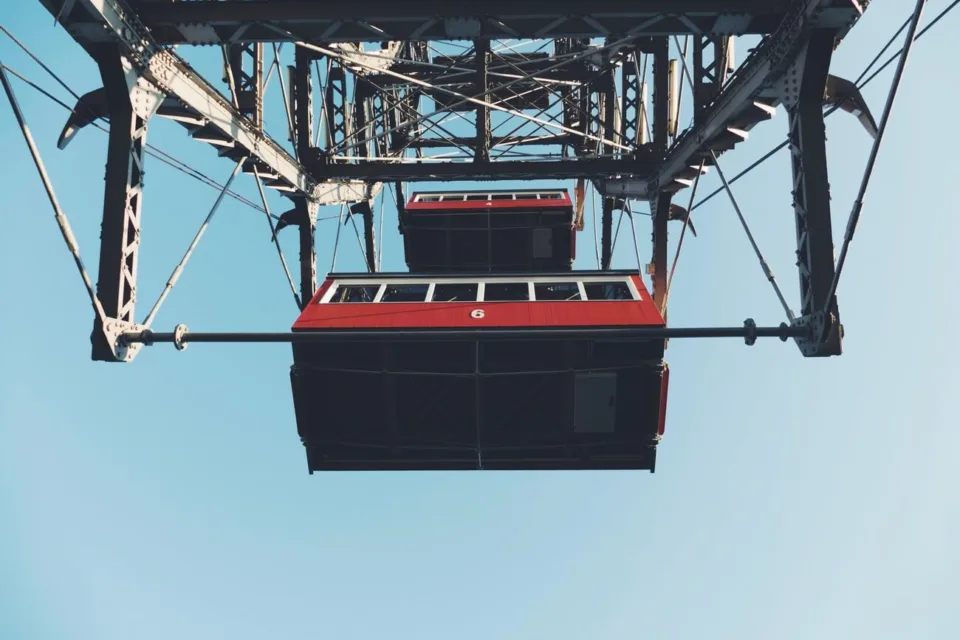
[(476, 314)]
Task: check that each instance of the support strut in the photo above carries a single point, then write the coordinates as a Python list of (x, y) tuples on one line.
[(660, 199), (301, 109), (811, 199), (308, 253), (130, 103), (482, 149), (606, 233), (245, 74)]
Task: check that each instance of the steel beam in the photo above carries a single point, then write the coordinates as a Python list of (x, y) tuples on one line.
[(750, 97), (446, 171), (130, 103), (710, 58), (207, 22), (599, 107), (244, 67), (660, 200), (724, 122), (481, 49), (301, 103), (308, 253), (363, 93), (208, 115), (606, 233), (631, 96), (811, 199), (301, 110)]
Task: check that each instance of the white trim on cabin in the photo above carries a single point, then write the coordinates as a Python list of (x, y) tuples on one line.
[(447, 196), (531, 283)]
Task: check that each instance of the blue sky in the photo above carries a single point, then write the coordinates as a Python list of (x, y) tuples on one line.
[(793, 498)]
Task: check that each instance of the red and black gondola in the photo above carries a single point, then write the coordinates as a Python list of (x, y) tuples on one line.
[(518, 372), (525, 230)]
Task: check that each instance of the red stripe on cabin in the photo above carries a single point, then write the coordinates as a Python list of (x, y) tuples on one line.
[(447, 315), (453, 315)]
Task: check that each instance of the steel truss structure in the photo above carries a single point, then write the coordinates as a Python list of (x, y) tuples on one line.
[(374, 85)]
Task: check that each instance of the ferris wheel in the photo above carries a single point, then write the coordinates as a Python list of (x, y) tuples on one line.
[(491, 351)]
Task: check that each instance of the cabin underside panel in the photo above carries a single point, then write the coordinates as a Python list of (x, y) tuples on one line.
[(478, 405)]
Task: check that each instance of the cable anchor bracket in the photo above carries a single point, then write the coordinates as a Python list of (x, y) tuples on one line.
[(824, 336), (116, 332)]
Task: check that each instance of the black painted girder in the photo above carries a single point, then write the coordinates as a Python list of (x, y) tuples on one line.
[(378, 103), (482, 59), (206, 22), (337, 107), (301, 109), (660, 201), (609, 112), (633, 121), (190, 99), (710, 58), (604, 124), (750, 97), (505, 170), (362, 94), (245, 71), (606, 233), (301, 104), (364, 210), (122, 203), (308, 256), (811, 201)]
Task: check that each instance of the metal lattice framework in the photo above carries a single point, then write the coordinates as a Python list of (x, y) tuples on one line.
[(382, 93)]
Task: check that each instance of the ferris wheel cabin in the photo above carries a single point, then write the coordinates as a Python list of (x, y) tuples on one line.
[(518, 371), (489, 231)]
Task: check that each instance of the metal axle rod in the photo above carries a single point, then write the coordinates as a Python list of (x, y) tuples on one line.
[(749, 332)]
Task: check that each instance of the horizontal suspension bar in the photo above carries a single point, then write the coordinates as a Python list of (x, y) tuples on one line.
[(377, 20), (749, 332)]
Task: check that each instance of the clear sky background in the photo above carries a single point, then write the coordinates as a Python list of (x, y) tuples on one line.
[(793, 498)]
